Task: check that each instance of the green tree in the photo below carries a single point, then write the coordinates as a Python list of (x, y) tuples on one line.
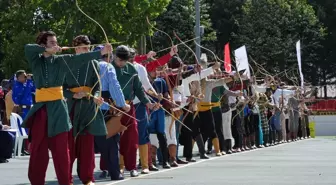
[(14, 58), (224, 15), (326, 12), (123, 21), (270, 30)]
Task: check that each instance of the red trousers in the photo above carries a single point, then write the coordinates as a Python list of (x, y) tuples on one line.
[(83, 150), (39, 156), (129, 140)]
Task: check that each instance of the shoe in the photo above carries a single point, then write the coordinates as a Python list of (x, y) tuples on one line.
[(191, 160), (25, 153), (179, 161), (4, 161), (103, 174), (219, 154), (120, 177), (145, 171), (153, 168), (238, 150), (229, 152), (173, 164), (89, 183), (134, 173), (223, 153), (166, 165), (204, 156)]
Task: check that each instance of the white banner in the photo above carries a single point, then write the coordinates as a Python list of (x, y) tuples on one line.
[(298, 54), (242, 61)]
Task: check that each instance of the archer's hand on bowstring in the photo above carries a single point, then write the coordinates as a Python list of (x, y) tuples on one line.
[(53, 50), (160, 97), (151, 54), (153, 106), (79, 95), (126, 108), (106, 50), (173, 51), (98, 100), (216, 66), (201, 96)]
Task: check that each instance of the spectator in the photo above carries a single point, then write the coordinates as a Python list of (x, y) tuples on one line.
[(9, 104), (7, 139), (22, 97), (22, 92)]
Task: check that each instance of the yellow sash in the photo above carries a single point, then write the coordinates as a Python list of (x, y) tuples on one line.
[(204, 106), (81, 89), (216, 104), (49, 94)]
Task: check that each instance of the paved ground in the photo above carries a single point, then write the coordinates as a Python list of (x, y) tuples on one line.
[(324, 125), (305, 162)]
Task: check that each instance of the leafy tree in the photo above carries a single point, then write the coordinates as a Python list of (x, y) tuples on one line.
[(270, 30), (326, 12), (14, 58), (123, 21), (224, 15)]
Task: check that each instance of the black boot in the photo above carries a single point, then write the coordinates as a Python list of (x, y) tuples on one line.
[(266, 140), (209, 147), (164, 150), (279, 134), (201, 147), (229, 146)]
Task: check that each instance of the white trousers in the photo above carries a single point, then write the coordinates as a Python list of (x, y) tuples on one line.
[(171, 138), (154, 140), (226, 117)]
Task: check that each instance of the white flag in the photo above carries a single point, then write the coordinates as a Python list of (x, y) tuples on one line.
[(242, 61), (298, 54)]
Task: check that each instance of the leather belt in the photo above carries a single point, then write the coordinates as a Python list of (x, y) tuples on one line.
[(25, 106)]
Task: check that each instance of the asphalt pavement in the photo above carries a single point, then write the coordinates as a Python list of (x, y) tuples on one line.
[(306, 162)]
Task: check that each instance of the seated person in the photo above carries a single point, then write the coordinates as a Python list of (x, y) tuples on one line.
[(7, 140)]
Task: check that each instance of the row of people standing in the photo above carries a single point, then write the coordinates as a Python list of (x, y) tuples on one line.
[(67, 120), (262, 121)]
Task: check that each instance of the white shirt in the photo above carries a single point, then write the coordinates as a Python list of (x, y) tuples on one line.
[(285, 92), (258, 88), (195, 77), (143, 76), (179, 96)]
